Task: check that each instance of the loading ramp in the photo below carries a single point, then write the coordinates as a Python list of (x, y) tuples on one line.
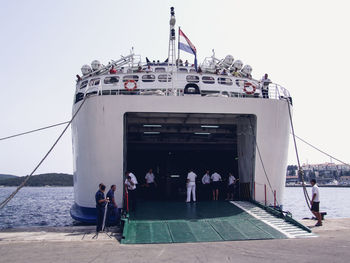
[(179, 222)]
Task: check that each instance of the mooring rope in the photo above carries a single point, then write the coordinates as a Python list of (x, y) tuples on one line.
[(31, 131), (8, 199), (300, 170)]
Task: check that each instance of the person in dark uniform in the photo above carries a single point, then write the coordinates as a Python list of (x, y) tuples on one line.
[(100, 206), (112, 212)]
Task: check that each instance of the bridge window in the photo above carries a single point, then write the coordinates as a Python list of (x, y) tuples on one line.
[(131, 77), (183, 70), (94, 82), (164, 78), (84, 84), (159, 70), (192, 78), (111, 80), (148, 78), (193, 70), (208, 80), (225, 81)]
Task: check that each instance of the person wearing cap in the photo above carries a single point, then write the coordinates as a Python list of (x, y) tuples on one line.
[(191, 186), (100, 206)]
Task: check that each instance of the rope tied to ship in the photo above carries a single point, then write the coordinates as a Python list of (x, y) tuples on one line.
[(300, 169), (12, 195)]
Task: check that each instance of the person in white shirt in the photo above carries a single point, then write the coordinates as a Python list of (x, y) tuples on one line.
[(151, 183), (265, 81), (191, 186), (206, 185), (230, 186), (315, 202), (215, 178), (130, 183)]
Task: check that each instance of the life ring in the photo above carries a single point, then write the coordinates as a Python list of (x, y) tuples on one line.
[(126, 85), (251, 88)]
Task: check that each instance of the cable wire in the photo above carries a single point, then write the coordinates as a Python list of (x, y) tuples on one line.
[(31, 131), (8, 199)]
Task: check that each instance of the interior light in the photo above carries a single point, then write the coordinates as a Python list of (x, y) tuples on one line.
[(202, 133), (174, 176), (151, 132), (210, 126), (152, 125)]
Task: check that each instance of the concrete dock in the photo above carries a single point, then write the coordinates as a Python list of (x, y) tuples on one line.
[(79, 244)]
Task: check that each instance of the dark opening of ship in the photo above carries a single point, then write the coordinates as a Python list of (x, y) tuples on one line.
[(173, 143)]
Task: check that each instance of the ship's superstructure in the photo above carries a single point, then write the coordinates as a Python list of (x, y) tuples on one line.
[(172, 116)]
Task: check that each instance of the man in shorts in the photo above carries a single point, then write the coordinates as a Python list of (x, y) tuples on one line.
[(315, 202)]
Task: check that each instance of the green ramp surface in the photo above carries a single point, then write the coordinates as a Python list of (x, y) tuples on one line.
[(180, 222)]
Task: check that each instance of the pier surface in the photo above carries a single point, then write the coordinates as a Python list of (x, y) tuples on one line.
[(78, 244)]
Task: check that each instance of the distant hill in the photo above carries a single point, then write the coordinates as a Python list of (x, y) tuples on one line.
[(6, 176), (51, 179)]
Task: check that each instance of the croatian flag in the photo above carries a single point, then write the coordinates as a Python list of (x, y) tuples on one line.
[(186, 45)]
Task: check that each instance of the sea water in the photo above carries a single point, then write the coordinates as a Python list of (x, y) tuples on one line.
[(49, 206)]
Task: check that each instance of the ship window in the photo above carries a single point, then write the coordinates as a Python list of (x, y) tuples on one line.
[(159, 69), (164, 78), (111, 80), (193, 70), (94, 82), (84, 84), (192, 78), (225, 81), (208, 80), (148, 78), (183, 70), (131, 77)]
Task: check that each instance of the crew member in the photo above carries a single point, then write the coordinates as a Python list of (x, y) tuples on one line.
[(230, 186), (131, 183), (100, 206), (315, 202), (206, 184), (150, 183), (112, 212), (265, 81), (215, 178), (191, 186)]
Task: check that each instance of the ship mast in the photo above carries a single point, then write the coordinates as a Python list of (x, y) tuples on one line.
[(171, 50)]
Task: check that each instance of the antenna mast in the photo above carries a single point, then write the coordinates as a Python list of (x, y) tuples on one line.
[(171, 51)]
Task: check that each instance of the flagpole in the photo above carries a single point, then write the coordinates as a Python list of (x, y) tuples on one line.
[(178, 50)]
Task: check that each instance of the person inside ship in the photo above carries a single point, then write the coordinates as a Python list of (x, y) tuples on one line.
[(191, 186), (206, 185), (113, 70), (100, 206), (186, 63), (199, 70), (139, 69), (215, 179), (224, 72), (112, 212), (131, 183), (265, 81), (230, 186), (150, 184)]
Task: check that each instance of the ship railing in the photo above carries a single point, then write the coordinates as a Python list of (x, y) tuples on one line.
[(171, 88)]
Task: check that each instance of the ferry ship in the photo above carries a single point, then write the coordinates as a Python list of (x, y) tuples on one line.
[(172, 116)]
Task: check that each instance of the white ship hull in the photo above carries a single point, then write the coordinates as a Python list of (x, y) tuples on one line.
[(100, 142)]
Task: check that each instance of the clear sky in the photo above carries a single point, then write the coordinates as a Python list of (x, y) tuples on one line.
[(303, 45)]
